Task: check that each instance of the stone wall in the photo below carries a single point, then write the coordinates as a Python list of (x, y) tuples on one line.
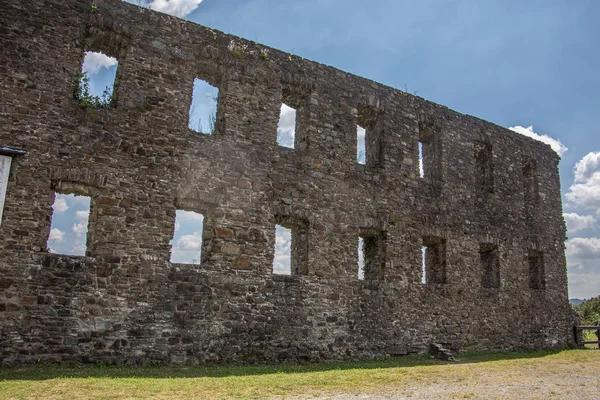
[(482, 207)]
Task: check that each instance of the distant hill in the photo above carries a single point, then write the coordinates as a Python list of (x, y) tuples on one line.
[(575, 302)]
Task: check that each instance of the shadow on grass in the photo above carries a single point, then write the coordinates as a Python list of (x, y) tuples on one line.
[(52, 371)]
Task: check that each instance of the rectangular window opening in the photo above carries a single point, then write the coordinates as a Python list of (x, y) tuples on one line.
[(203, 109), (69, 225), (421, 166), (186, 245), (369, 131), (530, 181), (435, 260), (429, 152), (286, 127), (371, 255), (484, 171), (535, 260), (423, 265), (96, 82), (490, 265), (282, 262), (361, 147), (5, 162), (291, 247)]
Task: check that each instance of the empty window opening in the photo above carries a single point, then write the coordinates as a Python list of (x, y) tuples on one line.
[(186, 245), (371, 256), (435, 260), (369, 131), (96, 82), (530, 181), (291, 246), (535, 260), (423, 268), (286, 127), (282, 262), (484, 172), (361, 259), (361, 147), (421, 167), (203, 110), (5, 162), (69, 225), (490, 265)]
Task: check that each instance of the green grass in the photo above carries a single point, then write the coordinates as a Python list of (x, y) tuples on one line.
[(264, 381)]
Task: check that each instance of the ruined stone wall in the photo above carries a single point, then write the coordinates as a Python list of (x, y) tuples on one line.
[(125, 301)]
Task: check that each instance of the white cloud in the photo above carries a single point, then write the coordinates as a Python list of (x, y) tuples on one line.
[(190, 242), (587, 167), (80, 229), (93, 62), (576, 222), (584, 286), (556, 144), (78, 250), (60, 204), (286, 126), (82, 215), (56, 235), (585, 192), (178, 8), (583, 249)]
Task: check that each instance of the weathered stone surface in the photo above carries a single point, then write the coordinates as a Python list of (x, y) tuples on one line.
[(488, 207)]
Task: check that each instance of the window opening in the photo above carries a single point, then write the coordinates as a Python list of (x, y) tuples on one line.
[(369, 119), (536, 269), (282, 262), (490, 265), (435, 260), (530, 181), (361, 259), (286, 127), (69, 225), (372, 254), (423, 268), (421, 167), (5, 162), (97, 79), (203, 109), (186, 245), (361, 147), (484, 172)]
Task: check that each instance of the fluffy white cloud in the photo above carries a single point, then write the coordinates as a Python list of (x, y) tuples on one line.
[(556, 144), (587, 167), (82, 215), (576, 222), (190, 242), (286, 128), (585, 192), (583, 249), (80, 229), (93, 62), (178, 8), (60, 204), (78, 249), (56, 235)]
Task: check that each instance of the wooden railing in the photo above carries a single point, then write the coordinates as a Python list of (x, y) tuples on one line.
[(577, 330)]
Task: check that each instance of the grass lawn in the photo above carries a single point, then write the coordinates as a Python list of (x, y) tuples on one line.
[(537, 374)]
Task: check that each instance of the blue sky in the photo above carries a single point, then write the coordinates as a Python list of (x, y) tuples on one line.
[(515, 63)]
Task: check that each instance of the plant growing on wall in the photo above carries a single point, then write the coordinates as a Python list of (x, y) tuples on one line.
[(84, 95)]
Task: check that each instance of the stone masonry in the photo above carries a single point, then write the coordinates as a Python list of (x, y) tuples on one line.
[(488, 209)]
